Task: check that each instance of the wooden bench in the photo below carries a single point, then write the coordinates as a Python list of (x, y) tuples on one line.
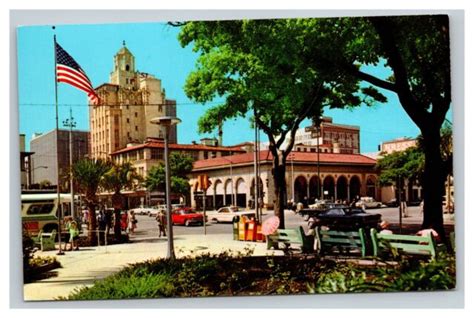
[(37, 239), (343, 241), (409, 244), (291, 236), (48, 241)]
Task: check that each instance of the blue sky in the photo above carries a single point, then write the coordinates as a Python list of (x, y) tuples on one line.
[(157, 51)]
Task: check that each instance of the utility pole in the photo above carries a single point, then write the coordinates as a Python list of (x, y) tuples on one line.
[(69, 122)]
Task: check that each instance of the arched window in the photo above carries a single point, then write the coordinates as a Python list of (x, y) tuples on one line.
[(127, 67)]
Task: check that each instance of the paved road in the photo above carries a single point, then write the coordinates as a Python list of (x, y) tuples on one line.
[(147, 228)]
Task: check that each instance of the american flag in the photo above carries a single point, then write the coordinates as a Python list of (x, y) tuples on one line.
[(70, 72)]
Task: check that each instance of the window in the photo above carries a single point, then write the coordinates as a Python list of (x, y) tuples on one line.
[(126, 81), (128, 120), (206, 155), (157, 154), (136, 128), (136, 114), (40, 208), (127, 68)]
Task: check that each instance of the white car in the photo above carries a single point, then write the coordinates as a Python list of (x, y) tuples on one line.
[(367, 203), (227, 214), (143, 210)]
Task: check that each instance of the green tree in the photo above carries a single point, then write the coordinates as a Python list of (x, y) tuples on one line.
[(400, 166), (416, 50), (181, 165), (261, 67), (88, 175), (120, 177)]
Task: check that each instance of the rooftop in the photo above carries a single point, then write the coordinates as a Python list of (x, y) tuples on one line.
[(298, 157), (160, 145)]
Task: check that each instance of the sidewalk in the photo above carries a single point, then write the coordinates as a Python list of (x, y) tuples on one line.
[(81, 268)]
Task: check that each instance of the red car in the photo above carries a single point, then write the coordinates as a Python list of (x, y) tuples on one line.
[(186, 216)]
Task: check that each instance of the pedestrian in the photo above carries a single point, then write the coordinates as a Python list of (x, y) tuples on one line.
[(73, 235), (132, 222), (421, 206), (161, 220), (108, 221), (67, 224), (124, 221), (101, 223)]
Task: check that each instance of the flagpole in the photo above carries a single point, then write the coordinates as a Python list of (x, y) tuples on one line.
[(59, 209)]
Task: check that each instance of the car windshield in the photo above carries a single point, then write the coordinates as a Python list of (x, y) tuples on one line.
[(335, 212)]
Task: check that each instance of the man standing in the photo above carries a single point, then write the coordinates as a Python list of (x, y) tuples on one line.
[(161, 219)]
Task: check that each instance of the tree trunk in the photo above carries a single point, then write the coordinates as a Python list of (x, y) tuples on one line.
[(433, 184), (92, 223), (280, 188)]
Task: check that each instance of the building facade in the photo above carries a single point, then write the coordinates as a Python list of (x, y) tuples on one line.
[(127, 104), (331, 138), (25, 164), (399, 144), (45, 152), (341, 177)]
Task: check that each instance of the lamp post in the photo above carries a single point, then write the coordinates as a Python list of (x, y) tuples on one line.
[(69, 122), (232, 200), (167, 122)]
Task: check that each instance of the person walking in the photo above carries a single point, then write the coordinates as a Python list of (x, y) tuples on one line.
[(161, 220), (73, 232), (132, 222)]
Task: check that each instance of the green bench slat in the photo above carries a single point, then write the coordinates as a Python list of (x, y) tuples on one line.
[(328, 239), (290, 236), (406, 243), (341, 240)]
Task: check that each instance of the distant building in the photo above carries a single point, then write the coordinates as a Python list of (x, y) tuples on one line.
[(127, 104), (43, 159), (333, 138), (412, 190), (399, 144), (342, 177), (146, 155)]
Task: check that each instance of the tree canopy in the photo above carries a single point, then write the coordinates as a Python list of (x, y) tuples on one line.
[(264, 68), (180, 165)]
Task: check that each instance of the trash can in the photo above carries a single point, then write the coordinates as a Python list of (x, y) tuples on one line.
[(242, 226), (251, 231), (259, 237), (235, 228)]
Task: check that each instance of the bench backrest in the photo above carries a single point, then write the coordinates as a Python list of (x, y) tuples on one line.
[(411, 244), (341, 238), (292, 235)]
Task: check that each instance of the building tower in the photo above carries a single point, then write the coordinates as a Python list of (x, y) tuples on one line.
[(127, 104)]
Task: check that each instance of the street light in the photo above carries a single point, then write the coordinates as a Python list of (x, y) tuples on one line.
[(69, 122), (167, 122), (232, 200)]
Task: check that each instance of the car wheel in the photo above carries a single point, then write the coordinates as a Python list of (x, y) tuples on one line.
[(187, 223), (306, 217), (215, 220)]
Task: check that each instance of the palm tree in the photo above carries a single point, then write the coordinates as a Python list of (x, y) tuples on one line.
[(88, 175), (120, 176)]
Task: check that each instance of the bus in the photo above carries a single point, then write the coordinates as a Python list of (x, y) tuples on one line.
[(40, 211)]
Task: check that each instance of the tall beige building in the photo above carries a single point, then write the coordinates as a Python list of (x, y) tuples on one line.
[(127, 103)]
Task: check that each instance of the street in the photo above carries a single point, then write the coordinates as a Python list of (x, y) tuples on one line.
[(147, 226)]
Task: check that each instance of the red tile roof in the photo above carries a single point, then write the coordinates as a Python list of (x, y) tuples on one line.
[(161, 145), (298, 157)]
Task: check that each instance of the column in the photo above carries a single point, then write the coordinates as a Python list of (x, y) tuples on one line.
[(335, 191), (348, 191)]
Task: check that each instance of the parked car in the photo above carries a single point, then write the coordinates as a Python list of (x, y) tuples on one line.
[(227, 214), (392, 203), (345, 219), (142, 210), (368, 203), (186, 216), (315, 209)]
